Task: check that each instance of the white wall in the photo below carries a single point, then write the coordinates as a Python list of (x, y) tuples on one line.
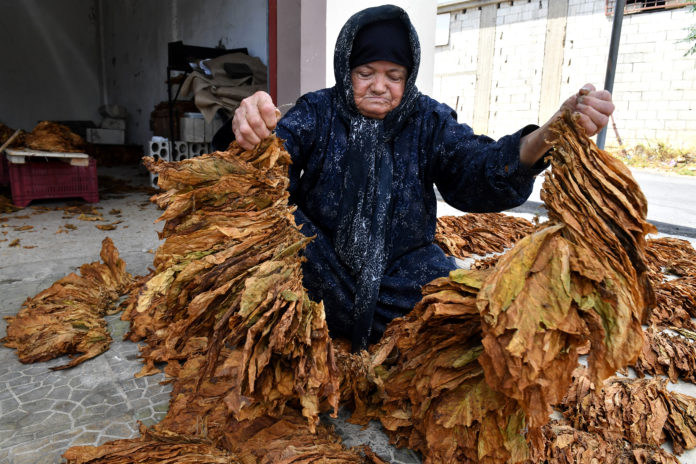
[(422, 14), (136, 34), (49, 61), (654, 87)]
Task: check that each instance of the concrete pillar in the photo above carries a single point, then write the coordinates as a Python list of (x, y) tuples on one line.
[(553, 59), (484, 70)]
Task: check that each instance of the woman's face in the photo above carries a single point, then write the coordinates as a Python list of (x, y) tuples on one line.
[(378, 87)]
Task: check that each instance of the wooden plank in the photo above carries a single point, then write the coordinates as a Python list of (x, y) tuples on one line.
[(19, 156)]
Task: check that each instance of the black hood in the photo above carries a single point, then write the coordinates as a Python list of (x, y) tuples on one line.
[(344, 46)]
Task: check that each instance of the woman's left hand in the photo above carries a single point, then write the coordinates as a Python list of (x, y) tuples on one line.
[(591, 108)]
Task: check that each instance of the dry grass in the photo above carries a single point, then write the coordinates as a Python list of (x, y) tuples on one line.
[(658, 155)]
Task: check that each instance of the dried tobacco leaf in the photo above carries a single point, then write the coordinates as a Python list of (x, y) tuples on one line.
[(672, 256), (6, 205), (641, 411), (675, 303), (229, 275), (664, 354), (563, 444), (152, 448), (51, 136), (67, 317), (7, 132), (479, 233), (434, 395), (248, 353), (582, 275), (675, 297)]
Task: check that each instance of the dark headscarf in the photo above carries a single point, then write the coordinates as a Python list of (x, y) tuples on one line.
[(365, 210), (382, 41)]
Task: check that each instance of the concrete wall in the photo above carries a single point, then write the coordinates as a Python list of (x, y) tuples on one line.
[(49, 61), (301, 49), (654, 88), (136, 34), (61, 60), (422, 14)]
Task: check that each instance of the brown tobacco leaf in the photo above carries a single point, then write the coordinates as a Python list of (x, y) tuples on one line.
[(673, 356), (560, 443), (51, 136), (641, 411), (675, 303), (435, 397), (672, 256), (479, 234), (67, 318), (152, 448), (582, 275), (229, 275)]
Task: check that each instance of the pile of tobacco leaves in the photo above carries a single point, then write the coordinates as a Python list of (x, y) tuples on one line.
[(68, 317), (249, 354), (470, 375)]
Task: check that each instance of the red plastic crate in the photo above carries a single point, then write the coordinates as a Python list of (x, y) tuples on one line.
[(4, 174), (36, 180)]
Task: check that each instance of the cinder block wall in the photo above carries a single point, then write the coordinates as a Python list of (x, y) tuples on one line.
[(654, 87)]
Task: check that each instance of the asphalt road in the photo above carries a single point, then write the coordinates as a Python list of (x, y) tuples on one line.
[(671, 202)]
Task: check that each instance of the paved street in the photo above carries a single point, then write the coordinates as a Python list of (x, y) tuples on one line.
[(671, 201)]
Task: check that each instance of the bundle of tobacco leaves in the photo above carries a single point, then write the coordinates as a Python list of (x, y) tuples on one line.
[(264, 440), (564, 444), (226, 296), (152, 447), (471, 373), (641, 411), (675, 303), (6, 132), (68, 317), (669, 255), (51, 136), (582, 276), (673, 273), (479, 233), (248, 352), (435, 398), (670, 355)]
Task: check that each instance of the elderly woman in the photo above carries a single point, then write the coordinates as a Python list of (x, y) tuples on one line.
[(367, 154)]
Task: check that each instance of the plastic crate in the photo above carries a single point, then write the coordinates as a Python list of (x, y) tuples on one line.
[(36, 180), (4, 170)]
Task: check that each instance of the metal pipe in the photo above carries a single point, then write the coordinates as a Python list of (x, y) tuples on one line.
[(611, 62)]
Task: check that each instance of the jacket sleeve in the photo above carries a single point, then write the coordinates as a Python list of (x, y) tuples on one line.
[(298, 129), (475, 173)]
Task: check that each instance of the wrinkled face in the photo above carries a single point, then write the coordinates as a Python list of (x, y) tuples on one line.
[(378, 87)]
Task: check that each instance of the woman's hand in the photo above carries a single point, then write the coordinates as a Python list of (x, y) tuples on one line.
[(592, 109), (254, 119)]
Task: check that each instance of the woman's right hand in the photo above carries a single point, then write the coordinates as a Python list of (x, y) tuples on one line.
[(254, 119)]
